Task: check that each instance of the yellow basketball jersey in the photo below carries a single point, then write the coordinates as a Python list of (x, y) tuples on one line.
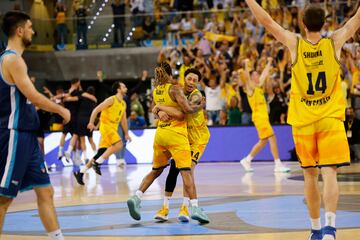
[(258, 105), (315, 84), (198, 132), (113, 114), (161, 96)]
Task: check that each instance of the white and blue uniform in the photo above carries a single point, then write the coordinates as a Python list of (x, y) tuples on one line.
[(22, 164)]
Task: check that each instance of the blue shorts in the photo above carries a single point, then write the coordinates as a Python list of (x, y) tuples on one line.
[(22, 165)]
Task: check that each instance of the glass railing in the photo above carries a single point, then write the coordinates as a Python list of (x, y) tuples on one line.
[(164, 27)]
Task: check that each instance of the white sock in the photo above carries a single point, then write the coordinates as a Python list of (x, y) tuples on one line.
[(100, 160), (56, 235), (277, 161), (84, 169), (166, 201), (70, 148), (78, 153), (249, 158), (77, 157), (186, 201), (330, 219), (139, 194), (61, 149), (194, 202), (84, 156), (315, 223)]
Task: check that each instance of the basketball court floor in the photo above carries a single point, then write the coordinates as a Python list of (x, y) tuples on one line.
[(260, 205)]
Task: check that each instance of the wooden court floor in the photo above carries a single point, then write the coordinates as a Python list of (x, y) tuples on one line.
[(260, 205)]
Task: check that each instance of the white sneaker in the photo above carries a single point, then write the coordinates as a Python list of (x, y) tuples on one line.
[(120, 162), (246, 165), (281, 168)]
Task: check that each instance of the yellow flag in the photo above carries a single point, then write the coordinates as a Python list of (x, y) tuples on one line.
[(219, 37)]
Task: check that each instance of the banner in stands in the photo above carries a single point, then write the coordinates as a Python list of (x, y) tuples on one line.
[(227, 144)]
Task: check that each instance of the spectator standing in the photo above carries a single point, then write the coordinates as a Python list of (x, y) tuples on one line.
[(61, 28), (137, 7), (234, 114), (81, 26), (118, 9), (213, 101)]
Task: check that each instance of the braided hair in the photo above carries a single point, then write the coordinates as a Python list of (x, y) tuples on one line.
[(162, 74)]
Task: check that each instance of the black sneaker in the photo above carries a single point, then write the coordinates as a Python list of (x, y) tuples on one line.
[(79, 177), (96, 167)]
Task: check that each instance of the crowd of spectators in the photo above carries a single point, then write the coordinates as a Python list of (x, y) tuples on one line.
[(216, 40)]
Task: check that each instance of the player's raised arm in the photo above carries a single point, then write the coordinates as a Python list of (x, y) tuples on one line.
[(247, 86), (265, 72), (341, 35), (284, 36)]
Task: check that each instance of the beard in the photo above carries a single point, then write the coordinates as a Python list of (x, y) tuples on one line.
[(26, 42)]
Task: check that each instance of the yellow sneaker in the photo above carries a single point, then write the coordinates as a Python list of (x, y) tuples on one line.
[(162, 214), (184, 214)]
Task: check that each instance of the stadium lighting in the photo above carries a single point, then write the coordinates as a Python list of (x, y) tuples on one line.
[(103, 5), (80, 40), (109, 30), (128, 38), (104, 39), (133, 29), (130, 33), (112, 25), (89, 27), (100, 9), (97, 14), (92, 22), (107, 35)]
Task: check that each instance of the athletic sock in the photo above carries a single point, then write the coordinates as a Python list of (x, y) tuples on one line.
[(186, 201), (139, 194), (70, 149), (249, 158), (56, 235), (166, 201), (84, 169), (61, 149), (77, 158), (330, 218), (277, 162), (84, 156), (100, 160), (315, 223), (194, 202)]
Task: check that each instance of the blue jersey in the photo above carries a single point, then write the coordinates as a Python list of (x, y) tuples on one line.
[(16, 112)]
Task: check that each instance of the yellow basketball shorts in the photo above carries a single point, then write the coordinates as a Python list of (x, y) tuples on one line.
[(197, 151), (322, 143), (169, 144), (109, 136), (264, 129)]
